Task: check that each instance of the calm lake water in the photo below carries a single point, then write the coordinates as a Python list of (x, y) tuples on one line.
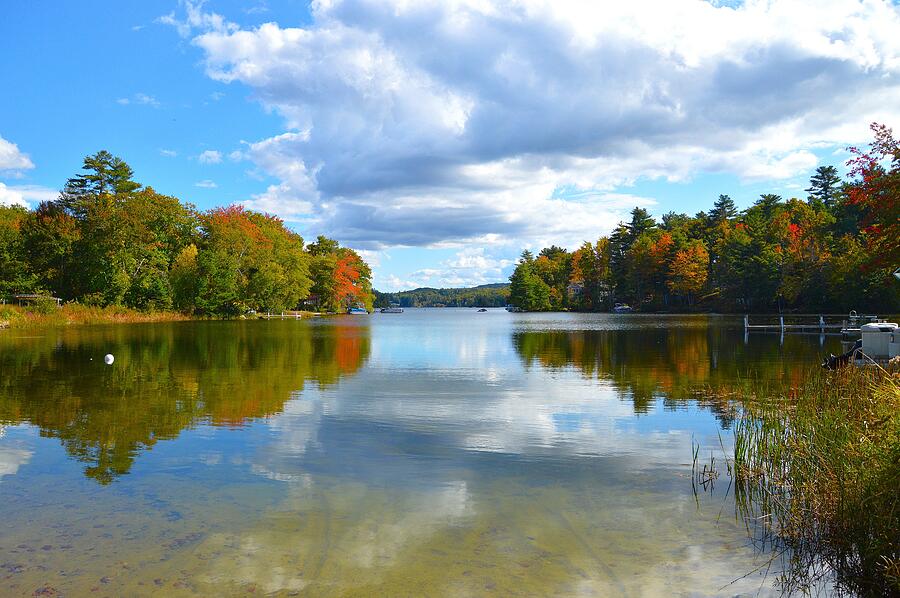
[(431, 453)]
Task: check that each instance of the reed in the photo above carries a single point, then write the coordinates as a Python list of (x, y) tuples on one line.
[(817, 480), (75, 313)]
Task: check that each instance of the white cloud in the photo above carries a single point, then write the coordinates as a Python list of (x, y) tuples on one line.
[(195, 18), (206, 184), (12, 158), (11, 197), (440, 123), (210, 157), (141, 99), (168, 153), (25, 195), (147, 100)]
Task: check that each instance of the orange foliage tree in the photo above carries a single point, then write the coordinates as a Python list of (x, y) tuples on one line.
[(689, 270)]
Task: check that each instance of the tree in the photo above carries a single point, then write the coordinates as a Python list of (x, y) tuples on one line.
[(591, 269), (249, 261), (689, 270), (723, 209), (50, 238), (106, 175), (15, 272), (641, 222), (340, 277), (825, 187), (876, 191), (526, 290)]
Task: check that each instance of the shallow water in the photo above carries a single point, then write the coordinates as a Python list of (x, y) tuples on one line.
[(430, 453)]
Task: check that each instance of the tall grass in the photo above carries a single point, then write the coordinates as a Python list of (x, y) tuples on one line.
[(74, 313), (817, 480)]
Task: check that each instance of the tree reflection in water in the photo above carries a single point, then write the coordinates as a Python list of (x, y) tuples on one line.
[(166, 378), (710, 365)]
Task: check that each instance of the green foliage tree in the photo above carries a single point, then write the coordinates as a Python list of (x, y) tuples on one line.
[(723, 209), (835, 251), (15, 272), (825, 187), (108, 240)]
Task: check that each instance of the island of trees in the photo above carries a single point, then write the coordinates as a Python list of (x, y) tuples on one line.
[(110, 241), (834, 251)]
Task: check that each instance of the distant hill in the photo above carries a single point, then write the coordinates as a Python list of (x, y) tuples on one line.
[(485, 295)]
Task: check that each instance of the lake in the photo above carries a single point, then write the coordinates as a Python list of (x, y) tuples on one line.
[(438, 452)]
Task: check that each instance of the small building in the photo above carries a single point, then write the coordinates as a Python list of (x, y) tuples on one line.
[(575, 289)]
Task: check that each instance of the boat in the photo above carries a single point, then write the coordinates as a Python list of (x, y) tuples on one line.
[(393, 309), (482, 310), (356, 310), (513, 308), (622, 308)]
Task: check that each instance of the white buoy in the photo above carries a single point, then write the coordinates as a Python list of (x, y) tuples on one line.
[(109, 359)]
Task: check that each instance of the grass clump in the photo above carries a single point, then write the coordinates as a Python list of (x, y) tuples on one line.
[(76, 313), (817, 480)]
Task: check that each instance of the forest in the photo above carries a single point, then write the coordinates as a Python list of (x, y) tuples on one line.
[(831, 252), (486, 295), (108, 240)]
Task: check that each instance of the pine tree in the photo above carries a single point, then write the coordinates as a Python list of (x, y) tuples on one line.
[(825, 186), (723, 209)]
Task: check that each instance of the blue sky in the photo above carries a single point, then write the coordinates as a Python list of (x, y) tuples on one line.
[(442, 138)]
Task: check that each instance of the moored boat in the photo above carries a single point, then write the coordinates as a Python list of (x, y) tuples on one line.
[(622, 308), (356, 310), (393, 309)]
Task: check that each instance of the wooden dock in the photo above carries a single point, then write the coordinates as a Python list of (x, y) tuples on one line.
[(812, 324), (285, 315)]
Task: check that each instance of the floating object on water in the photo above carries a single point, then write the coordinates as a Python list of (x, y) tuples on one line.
[(482, 310), (109, 359), (622, 308)]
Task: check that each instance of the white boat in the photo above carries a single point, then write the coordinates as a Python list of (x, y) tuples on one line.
[(357, 311), (393, 309), (513, 308), (622, 308)]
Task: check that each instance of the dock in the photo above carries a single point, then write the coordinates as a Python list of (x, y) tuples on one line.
[(285, 315), (822, 324)]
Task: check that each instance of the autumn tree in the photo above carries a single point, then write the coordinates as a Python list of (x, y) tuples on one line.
[(876, 190), (689, 271)]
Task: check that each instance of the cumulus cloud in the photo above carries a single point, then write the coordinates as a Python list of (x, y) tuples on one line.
[(210, 157), (206, 184), (25, 195), (12, 158), (11, 197), (428, 123)]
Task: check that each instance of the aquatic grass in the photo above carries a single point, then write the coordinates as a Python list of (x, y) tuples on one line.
[(817, 480), (76, 313)]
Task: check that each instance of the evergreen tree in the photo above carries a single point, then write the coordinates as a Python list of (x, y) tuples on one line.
[(641, 222), (825, 187), (723, 209)]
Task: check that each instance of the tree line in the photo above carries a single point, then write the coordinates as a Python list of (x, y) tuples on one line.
[(486, 295), (834, 251), (110, 241)]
